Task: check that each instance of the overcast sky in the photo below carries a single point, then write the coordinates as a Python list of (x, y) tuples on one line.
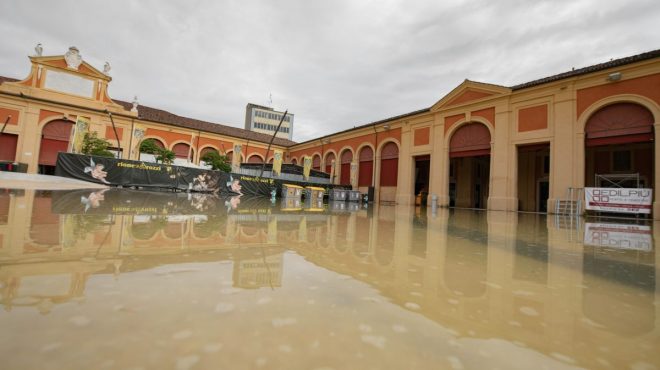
[(334, 64)]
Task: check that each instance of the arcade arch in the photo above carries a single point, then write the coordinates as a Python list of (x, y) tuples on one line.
[(316, 162), (345, 169), (469, 166), (183, 153), (55, 136), (366, 166), (147, 157), (619, 146), (389, 164)]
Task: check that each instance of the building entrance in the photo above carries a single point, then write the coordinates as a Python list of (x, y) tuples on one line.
[(619, 149), (533, 177), (469, 166), (422, 168), (55, 138)]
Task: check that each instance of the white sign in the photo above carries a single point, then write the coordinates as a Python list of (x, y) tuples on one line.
[(69, 83), (619, 200), (619, 236)]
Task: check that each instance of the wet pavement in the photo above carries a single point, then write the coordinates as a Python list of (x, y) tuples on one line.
[(120, 279)]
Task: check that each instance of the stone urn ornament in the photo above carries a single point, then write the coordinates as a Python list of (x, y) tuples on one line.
[(73, 58)]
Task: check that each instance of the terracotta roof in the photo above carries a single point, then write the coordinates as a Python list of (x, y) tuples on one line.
[(409, 114), (594, 68), (161, 116)]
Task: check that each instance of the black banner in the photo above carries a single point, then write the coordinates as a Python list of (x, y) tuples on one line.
[(127, 173), (124, 172)]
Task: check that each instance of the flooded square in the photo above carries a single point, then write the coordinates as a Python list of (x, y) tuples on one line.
[(121, 279)]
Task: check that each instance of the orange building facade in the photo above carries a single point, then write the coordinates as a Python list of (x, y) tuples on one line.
[(42, 109), (518, 148)]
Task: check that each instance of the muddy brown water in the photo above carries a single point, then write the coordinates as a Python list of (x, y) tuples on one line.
[(120, 279)]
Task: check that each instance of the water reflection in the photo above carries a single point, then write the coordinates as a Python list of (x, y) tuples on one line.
[(583, 295)]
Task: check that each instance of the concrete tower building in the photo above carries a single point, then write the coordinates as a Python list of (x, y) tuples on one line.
[(265, 120)]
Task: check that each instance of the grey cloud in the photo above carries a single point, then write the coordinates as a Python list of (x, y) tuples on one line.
[(335, 64)]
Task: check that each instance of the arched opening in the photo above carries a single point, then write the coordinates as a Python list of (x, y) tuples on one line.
[(204, 152), (316, 163), (183, 153), (469, 166), (389, 171), (619, 150), (294, 161), (271, 160), (345, 172), (366, 168), (255, 159), (328, 163), (147, 157), (55, 138)]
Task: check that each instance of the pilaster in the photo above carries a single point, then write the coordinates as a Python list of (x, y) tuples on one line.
[(404, 190)]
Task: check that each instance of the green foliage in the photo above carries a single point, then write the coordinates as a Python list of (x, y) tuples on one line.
[(163, 155), (93, 145), (149, 146), (217, 161)]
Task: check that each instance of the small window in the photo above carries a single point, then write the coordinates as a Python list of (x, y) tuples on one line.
[(621, 161)]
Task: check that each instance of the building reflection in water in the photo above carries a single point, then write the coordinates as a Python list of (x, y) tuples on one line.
[(526, 278)]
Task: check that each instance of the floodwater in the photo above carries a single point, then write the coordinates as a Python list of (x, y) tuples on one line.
[(119, 279)]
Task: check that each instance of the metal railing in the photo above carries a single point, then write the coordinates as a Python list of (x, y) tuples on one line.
[(572, 204), (282, 176)]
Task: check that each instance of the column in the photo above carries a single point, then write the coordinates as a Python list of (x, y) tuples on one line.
[(566, 159), (29, 139), (656, 172), (439, 171), (502, 186), (404, 189)]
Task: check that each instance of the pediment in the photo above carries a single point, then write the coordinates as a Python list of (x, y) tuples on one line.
[(59, 62), (467, 92)]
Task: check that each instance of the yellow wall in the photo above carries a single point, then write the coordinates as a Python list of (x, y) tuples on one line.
[(554, 112), (35, 106)]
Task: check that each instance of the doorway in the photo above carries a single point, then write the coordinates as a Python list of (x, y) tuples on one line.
[(469, 166), (422, 170), (533, 177)]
